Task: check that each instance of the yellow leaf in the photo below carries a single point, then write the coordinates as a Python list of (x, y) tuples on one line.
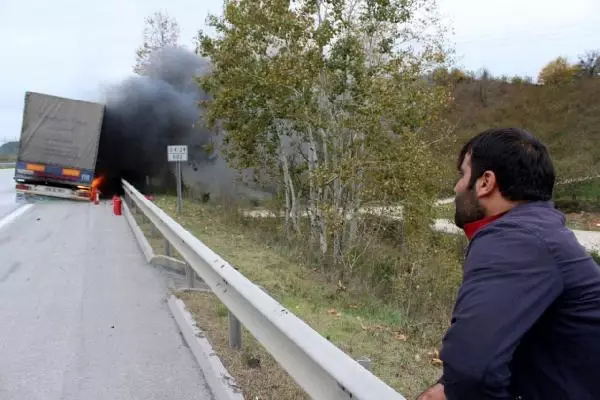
[(333, 311), (434, 353)]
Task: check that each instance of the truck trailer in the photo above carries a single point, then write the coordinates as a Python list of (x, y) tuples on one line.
[(58, 148)]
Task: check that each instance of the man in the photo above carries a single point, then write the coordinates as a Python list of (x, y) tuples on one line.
[(526, 324)]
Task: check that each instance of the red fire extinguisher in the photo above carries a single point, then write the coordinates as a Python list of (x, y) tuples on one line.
[(116, 205)]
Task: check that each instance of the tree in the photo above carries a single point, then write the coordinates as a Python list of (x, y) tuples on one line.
[(517, 80), (455, 76), (160, 31), (331, 97), (557, 71), (589, 63), (484, 80)]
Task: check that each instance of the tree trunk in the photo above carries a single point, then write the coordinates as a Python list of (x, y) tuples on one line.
[(318, 223), (291, 209)]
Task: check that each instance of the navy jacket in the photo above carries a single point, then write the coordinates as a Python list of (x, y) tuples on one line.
[(526, 324)]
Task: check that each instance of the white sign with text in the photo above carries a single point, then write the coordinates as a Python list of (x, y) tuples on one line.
[(177, 153)]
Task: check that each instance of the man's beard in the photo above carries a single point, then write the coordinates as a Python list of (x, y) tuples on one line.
[(468, 208)]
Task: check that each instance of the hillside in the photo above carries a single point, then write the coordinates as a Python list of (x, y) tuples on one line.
[(9, 149), (565, 117)]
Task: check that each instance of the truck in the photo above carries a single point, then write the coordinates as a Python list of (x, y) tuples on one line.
[(58, 148)]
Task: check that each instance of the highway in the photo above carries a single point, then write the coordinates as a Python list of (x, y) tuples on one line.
[(82, 315), (8, 202)]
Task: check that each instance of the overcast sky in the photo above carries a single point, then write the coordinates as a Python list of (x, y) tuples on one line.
[(71, 48)]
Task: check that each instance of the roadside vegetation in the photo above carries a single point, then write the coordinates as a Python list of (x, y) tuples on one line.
[(564, 113), (338, 114), (396, 323)]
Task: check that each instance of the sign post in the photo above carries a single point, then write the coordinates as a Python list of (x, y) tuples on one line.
[(177, 154)]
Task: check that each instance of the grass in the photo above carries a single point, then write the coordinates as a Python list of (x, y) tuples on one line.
[(399, 334), (259, 375), (596, 256), (445, 211), (587, 190), (388, 331), (565, 117), (155, 239), (585, 221)]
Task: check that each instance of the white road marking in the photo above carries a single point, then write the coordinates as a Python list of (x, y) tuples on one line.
[(10, 218)]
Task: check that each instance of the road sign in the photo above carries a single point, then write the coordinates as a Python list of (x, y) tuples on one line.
[(177, 157), (177, 153)]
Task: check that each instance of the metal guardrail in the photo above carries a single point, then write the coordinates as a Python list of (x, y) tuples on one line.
[(321, 369), (7, 164)]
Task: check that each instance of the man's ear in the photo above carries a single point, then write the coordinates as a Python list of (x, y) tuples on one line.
[(486, 184)]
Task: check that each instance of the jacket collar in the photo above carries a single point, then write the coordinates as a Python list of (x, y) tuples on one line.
[(472, 228)]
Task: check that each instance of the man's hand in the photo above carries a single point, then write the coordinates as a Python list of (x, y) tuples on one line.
[(436, 392)]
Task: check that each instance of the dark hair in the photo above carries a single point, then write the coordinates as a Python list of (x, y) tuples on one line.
[(521, 163)]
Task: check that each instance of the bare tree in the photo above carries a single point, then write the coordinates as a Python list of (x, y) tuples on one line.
[(160, 31), (589, 63)]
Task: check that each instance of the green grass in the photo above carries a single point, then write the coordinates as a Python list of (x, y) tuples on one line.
[(399, 333), (596, 256), (589, 190), (445, 211)]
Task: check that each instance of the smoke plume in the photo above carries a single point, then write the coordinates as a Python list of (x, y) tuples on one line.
[(144, 114)]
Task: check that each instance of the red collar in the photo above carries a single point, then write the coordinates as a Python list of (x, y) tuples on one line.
[(472, 228)]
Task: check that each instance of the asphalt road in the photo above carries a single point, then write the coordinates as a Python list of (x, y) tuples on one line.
[(82, 316), (8, 202)]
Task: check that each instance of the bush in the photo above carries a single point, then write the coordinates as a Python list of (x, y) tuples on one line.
[(596, 256), (573, 206)]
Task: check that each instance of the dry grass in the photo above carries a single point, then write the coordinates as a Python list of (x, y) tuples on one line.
[(566, 118), (154, 237), (358, 322), (584, 221), (445, 211), (259, 375)]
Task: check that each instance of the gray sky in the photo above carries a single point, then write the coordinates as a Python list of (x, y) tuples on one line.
[(72, 48)]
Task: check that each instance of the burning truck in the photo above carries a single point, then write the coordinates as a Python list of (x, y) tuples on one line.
[(68, 146), (58, 147)]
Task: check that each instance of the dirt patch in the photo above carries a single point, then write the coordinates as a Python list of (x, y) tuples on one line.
[(584, 221)]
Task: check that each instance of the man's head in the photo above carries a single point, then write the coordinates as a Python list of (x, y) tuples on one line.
[(500, 168)]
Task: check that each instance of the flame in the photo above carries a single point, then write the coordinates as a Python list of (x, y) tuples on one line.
[(97, 182)]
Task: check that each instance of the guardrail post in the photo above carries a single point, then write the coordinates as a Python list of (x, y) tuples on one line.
[(235, 332), (365, 362), (189, 274), (152, 228), (167, 248)]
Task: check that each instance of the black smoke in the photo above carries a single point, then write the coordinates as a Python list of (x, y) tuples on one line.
[(146, 113)]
